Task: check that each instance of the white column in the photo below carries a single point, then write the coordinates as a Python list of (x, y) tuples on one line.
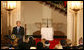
[(70, 23), (79, 26)]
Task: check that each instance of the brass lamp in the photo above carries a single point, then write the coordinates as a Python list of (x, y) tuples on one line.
[(76, 6), (9, 6)]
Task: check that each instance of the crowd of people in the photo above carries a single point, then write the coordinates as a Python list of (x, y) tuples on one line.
[(30, 43)]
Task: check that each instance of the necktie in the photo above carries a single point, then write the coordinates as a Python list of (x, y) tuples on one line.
[(17, 30)]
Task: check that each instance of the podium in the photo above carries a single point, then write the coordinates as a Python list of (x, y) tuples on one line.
[(47, 33)]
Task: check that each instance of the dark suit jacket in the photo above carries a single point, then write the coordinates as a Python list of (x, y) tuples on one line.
[(21, 31), (20, 34)]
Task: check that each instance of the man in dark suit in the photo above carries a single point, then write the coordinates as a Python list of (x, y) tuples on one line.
[(18, 31)]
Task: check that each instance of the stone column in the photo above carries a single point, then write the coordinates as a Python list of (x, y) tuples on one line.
[(71, 24), (80, 25)]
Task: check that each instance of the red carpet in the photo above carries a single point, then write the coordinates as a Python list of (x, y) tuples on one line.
[(52, 43)]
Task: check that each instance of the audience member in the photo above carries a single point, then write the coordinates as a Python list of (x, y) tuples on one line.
[(40, 45), (69, 44), (27, 44), (81, 41), (47, 44), (43, 41), (58, 46), (31, 41), (63, 43)]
